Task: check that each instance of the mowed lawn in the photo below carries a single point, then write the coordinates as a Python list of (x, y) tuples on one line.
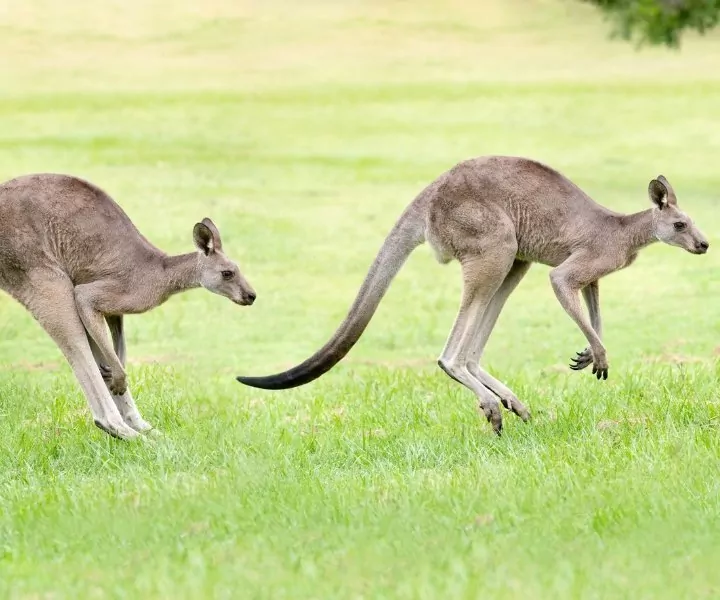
[(303, 131)]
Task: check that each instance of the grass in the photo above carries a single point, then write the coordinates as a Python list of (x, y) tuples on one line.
[(303, 132)]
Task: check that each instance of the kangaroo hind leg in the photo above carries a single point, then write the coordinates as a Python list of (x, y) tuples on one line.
[(482, 277), (489, 319), (51, 300)]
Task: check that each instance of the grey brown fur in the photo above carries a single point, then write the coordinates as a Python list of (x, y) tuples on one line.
[(73, 258), (496, 215)]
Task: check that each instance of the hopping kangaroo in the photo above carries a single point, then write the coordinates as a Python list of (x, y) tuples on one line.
[(73, 258), (496, 215)]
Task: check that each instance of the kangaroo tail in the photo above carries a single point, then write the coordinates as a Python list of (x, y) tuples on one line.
[(407, 234)]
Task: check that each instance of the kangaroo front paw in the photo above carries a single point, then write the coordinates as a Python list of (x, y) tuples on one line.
[(582, 360), (586, 358), (600, 365), (118, 384)]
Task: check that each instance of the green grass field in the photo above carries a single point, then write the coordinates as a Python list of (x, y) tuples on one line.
[(303, 131)]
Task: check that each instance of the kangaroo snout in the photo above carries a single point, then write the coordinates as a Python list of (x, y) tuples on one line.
[(247, 296), (701, 247)]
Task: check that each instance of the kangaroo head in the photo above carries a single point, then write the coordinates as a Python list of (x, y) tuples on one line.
[(218, 273), (670, 224)]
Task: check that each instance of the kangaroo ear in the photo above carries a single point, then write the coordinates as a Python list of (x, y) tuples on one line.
[(203, 238), (672, 199), (217, 242), (658, 193)]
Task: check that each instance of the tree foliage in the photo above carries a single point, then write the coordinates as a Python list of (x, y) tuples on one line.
[(659, 21)]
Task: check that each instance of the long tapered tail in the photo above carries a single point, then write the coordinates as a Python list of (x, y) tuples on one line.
[(407, 234)]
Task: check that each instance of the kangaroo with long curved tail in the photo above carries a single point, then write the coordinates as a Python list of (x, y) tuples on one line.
[(497, 215)]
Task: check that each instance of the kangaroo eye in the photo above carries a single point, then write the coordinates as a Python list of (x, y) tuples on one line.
[(679, 225), (227, 274)]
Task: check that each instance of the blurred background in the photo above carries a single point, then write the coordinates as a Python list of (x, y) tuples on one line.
[(303, 130)]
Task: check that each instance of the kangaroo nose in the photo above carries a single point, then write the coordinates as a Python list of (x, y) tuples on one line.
[(703, 246), (251, 297)]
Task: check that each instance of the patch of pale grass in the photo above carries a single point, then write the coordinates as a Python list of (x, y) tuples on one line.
[(250, 46)]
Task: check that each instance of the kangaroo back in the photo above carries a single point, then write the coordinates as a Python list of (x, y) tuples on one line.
[(66, 223)]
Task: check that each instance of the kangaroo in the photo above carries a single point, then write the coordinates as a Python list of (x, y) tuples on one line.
[(497, 215), (72, 257)]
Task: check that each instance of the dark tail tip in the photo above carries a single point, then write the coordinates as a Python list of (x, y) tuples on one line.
[(256, 382), (272, 382)]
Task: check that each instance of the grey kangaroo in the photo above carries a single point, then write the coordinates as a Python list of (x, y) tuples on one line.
[(497, 215), (73, 258)]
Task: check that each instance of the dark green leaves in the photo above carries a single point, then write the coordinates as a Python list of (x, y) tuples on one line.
[(659, 22)]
